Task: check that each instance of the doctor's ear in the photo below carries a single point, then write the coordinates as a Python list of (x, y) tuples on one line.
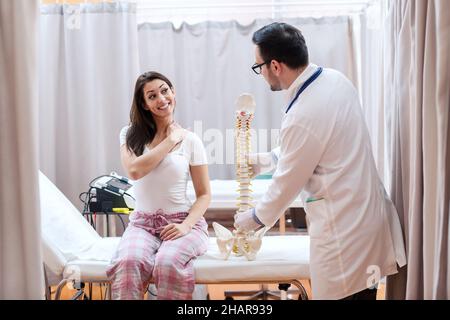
[(276, 67)]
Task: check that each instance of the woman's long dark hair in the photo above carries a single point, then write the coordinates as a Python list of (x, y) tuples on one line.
[(142, 125)]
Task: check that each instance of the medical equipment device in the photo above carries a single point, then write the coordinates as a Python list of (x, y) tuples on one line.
[(108, 193)]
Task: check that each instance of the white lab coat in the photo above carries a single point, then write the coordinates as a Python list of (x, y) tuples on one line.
[(325, 152)]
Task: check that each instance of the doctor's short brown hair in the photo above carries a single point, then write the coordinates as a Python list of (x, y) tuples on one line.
[(282, 42)]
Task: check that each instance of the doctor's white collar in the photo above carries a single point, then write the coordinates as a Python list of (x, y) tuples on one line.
[(301, 79)]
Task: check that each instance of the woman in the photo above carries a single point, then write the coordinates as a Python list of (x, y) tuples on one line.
[(166, 232)]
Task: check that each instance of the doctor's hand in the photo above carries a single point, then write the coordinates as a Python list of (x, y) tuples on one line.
[(246, 221), (174, 231)]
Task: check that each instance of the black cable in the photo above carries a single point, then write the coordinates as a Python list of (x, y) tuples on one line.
[(84, 201), (102, 176), (121, 220), (79, 196), (155, 294), (126, 193), (87, 199)]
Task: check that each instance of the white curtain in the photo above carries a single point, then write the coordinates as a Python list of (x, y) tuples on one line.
[(417, 102), (91, 55), (21, 271), (209, 64), (88, 67), (372, 64)]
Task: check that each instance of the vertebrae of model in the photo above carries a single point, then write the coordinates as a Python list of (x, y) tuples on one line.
[(245, 109)]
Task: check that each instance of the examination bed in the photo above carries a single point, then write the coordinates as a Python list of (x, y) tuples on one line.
[(74, 252)]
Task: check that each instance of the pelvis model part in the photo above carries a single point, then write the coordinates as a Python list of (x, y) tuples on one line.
[(241, 244)]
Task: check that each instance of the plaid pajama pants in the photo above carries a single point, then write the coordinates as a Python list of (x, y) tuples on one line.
[(142, 256)]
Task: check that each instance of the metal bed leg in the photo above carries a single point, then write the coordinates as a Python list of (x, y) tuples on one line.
[(80, 294), (265, 294), (303, 295), (108, 290), (262, 294), (48, 291), (59, 289), (283, 287)]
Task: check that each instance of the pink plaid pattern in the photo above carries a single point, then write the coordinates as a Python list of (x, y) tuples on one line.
[(142, 256)]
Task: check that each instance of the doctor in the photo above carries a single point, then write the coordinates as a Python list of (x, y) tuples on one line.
[(325, 153)]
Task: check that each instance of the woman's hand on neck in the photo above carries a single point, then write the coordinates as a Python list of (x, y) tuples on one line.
[(162, 126)]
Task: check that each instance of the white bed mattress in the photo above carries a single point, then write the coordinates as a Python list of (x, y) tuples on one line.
[(280, 258)]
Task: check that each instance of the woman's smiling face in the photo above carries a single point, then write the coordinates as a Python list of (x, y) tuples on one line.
[(159, 98)]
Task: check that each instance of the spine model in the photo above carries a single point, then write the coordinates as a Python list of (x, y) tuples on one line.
[(245, 108), (239, 242)]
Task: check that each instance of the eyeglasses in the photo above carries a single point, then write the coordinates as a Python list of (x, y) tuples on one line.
[(257, 68)]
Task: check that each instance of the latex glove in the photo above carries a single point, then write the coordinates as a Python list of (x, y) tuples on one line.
[(261, 163), (247, 221)]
